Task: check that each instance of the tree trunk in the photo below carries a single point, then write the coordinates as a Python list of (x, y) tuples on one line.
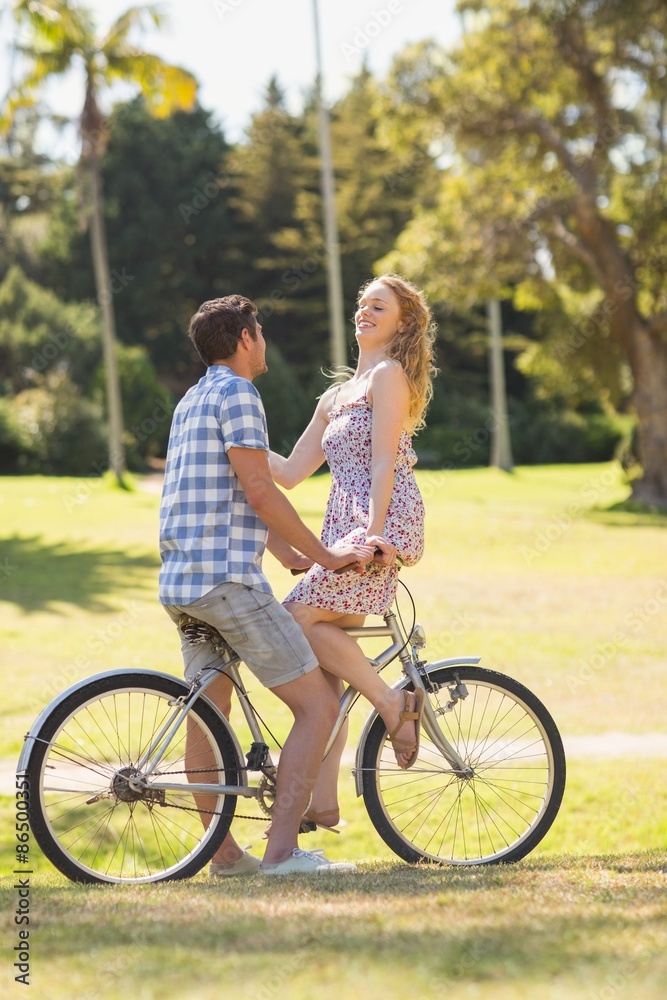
[(104, 297), (649, 369), (501, 445)]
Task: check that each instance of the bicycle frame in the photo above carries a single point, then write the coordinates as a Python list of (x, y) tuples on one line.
[(398, 647), (108, 763), (413, 672)]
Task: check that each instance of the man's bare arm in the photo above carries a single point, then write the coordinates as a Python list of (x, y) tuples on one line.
[(286, 553), (252, 468)]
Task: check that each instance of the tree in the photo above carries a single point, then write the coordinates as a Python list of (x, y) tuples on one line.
[(174, 240), (62, 34), (276, 192), (276, 174), (30, 185), (380, 184), (555, 192), (52, 386)]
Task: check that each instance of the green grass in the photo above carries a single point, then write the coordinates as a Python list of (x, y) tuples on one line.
[(551, 577), (563, 927)]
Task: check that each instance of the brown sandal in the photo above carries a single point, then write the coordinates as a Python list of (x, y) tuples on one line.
[(408, 715)]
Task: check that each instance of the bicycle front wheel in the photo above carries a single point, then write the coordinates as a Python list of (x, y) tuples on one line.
[(500, 808), (92, 812)]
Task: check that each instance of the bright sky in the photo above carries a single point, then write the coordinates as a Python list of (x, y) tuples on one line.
[(234, 46)]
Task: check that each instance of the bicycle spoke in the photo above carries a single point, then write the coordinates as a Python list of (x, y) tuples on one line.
[(110, 825), (490, 809)]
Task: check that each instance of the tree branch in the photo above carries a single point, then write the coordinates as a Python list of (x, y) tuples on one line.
[(658, 324), (534, 124), (544, 208), (580, 249), (572, 44)]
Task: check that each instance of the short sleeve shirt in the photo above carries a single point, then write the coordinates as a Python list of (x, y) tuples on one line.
[(209, 533)]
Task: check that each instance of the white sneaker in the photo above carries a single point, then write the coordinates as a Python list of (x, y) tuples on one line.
[(247, 864), (306, 863)]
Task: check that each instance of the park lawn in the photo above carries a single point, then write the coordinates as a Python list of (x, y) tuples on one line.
[(582, 916), (542, 575), (564, 927), (534, 572)]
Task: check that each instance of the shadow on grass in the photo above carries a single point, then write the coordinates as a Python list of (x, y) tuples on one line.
[(628, 514), (37, 576), (535, 928)]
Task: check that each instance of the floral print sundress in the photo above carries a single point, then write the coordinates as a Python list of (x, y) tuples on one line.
[(347, 447)]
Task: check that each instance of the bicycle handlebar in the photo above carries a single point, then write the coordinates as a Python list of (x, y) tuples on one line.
[(343, 569)]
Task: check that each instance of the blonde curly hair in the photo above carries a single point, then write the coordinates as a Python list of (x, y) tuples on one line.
[(412, 347)]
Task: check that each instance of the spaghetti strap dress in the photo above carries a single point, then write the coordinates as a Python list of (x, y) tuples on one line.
[(347, 447)]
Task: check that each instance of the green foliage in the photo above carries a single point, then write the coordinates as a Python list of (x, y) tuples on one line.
[(29, 187), (169, 230), (14, 440), (39, 334), (462, 168), (147, 405), (288, 410), (57, 429), (553, 436), (552, 194), (459, 433), (193, 220), (53, 386)]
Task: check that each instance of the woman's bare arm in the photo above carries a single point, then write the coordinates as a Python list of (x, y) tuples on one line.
[(391, 406), (307, 455)]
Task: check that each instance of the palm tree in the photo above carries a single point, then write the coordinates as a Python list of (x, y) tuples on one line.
[(62, 34)]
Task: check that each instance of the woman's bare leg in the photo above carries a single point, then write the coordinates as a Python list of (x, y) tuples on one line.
[(325, 793), (340, 654)]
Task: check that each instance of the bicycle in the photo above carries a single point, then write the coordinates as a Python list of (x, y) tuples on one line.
[(113, 800)]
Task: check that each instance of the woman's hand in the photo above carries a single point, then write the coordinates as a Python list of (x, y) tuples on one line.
[(387, 556)]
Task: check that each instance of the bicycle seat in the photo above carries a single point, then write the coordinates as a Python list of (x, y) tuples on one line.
[(197, 631)]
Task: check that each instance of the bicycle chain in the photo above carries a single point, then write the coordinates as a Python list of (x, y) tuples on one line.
[(212, 812), (206, 812)]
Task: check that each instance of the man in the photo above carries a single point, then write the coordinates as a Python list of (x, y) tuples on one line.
[(218, 501)]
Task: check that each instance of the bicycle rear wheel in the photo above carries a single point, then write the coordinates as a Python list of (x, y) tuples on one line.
[(505, 804), (89, 811)]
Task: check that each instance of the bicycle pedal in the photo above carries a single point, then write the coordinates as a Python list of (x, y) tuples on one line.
[(310, 826), (307, 826)]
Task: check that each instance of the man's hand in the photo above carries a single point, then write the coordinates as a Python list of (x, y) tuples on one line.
[(353, 557), (387, 555), (286, 554), (298, 562)]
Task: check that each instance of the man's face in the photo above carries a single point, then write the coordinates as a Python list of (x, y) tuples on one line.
[(257, 358)]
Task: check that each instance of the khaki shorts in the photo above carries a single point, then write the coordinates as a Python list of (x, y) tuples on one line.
[(256, 626)]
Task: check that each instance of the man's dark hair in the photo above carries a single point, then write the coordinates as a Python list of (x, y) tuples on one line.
[(215, 329)]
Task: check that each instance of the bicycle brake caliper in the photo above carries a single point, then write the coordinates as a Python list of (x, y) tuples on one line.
[(457, 692)]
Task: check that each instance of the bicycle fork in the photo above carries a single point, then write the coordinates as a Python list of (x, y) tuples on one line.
[(419, 679)]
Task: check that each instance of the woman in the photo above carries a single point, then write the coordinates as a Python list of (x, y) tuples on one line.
[(362, 427)]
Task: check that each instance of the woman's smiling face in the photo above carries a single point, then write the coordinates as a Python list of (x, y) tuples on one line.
[(378, 316)]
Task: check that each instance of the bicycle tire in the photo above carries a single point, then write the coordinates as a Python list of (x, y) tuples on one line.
[(507, 737), (83, 813)]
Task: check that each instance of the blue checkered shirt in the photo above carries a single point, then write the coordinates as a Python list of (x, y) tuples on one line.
[(209, 533)]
